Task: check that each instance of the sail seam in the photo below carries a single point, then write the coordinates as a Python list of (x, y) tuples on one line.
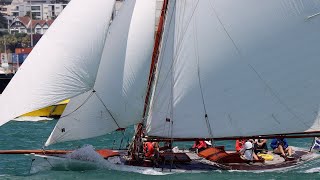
[(273, 93)]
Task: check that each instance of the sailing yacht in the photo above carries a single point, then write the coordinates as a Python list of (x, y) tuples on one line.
[(220, 70)]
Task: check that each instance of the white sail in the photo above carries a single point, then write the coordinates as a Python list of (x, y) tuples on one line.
[(64, 63), (250, 67), (117, 99)]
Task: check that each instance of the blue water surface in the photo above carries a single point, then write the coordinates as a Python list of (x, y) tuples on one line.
[(32, 135)]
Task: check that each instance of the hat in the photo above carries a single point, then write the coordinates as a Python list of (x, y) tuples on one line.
[(208, 143), (248, 145)]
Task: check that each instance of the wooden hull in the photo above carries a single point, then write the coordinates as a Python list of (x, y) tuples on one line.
[(233, 161), (183, 161)]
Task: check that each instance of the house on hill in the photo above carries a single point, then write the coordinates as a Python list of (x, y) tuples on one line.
[(25, 25)]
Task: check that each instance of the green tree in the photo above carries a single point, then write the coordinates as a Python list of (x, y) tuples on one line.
[(11, 42), (25, 41), (14, 41)]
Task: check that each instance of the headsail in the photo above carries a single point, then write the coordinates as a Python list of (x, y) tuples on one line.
[(238, 68), (117, 99), (64, 63)]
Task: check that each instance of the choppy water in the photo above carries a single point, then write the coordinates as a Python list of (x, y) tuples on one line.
[(32, 135)]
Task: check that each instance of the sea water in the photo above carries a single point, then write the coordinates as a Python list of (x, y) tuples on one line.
[(32, 135)]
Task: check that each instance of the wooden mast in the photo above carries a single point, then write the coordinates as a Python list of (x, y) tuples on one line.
[(140, 131)]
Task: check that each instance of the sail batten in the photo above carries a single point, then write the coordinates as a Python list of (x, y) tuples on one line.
[(254, 70), (64, 62), (120, 86)]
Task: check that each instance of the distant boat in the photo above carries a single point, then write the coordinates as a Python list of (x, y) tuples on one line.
[(4, 80), (220, 70), (53, 111)]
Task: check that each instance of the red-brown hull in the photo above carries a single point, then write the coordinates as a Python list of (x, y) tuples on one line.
[(233, 161)]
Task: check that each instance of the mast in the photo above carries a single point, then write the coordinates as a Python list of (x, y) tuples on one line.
[(140, 131), (31, 34), (155, 54)]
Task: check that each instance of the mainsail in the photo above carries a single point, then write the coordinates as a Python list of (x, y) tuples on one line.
[(64, 63), (237, 68), (117, 98)]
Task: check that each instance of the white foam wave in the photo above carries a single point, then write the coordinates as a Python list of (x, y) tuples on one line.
[(88, 153), (32, 118), (87, 158), (313, 170)]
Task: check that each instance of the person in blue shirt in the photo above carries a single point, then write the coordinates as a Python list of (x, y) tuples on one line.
[(280, 146)]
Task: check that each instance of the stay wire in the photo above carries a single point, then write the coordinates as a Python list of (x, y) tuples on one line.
[(196, 47), (107, 110), (84, 102), (61, 136)]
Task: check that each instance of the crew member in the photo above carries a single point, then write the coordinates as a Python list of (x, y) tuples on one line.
[(200, 145), (148, 149), (239, 144)]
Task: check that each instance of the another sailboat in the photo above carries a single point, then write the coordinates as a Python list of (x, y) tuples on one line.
[(225, 70)]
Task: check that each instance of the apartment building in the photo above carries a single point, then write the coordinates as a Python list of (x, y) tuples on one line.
[(39, 11)]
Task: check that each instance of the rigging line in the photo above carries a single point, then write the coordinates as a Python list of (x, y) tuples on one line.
[(224, 28), (178, 52), (184, 32), (171, 163), (273, 93), (84, 102), (55, 140), (107, 110), (196, 47)]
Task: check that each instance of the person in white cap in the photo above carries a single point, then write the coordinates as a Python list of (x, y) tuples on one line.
[(248, 152)]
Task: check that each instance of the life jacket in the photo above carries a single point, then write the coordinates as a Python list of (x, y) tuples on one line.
[(239, 144), (148, 149), (200, 144)]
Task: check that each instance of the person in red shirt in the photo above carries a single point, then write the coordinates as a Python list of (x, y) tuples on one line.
[(239, 144), (148, 149), (200, 145)]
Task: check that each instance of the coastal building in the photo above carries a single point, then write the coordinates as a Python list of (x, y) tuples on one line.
[(25, 25), (41, 9)]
